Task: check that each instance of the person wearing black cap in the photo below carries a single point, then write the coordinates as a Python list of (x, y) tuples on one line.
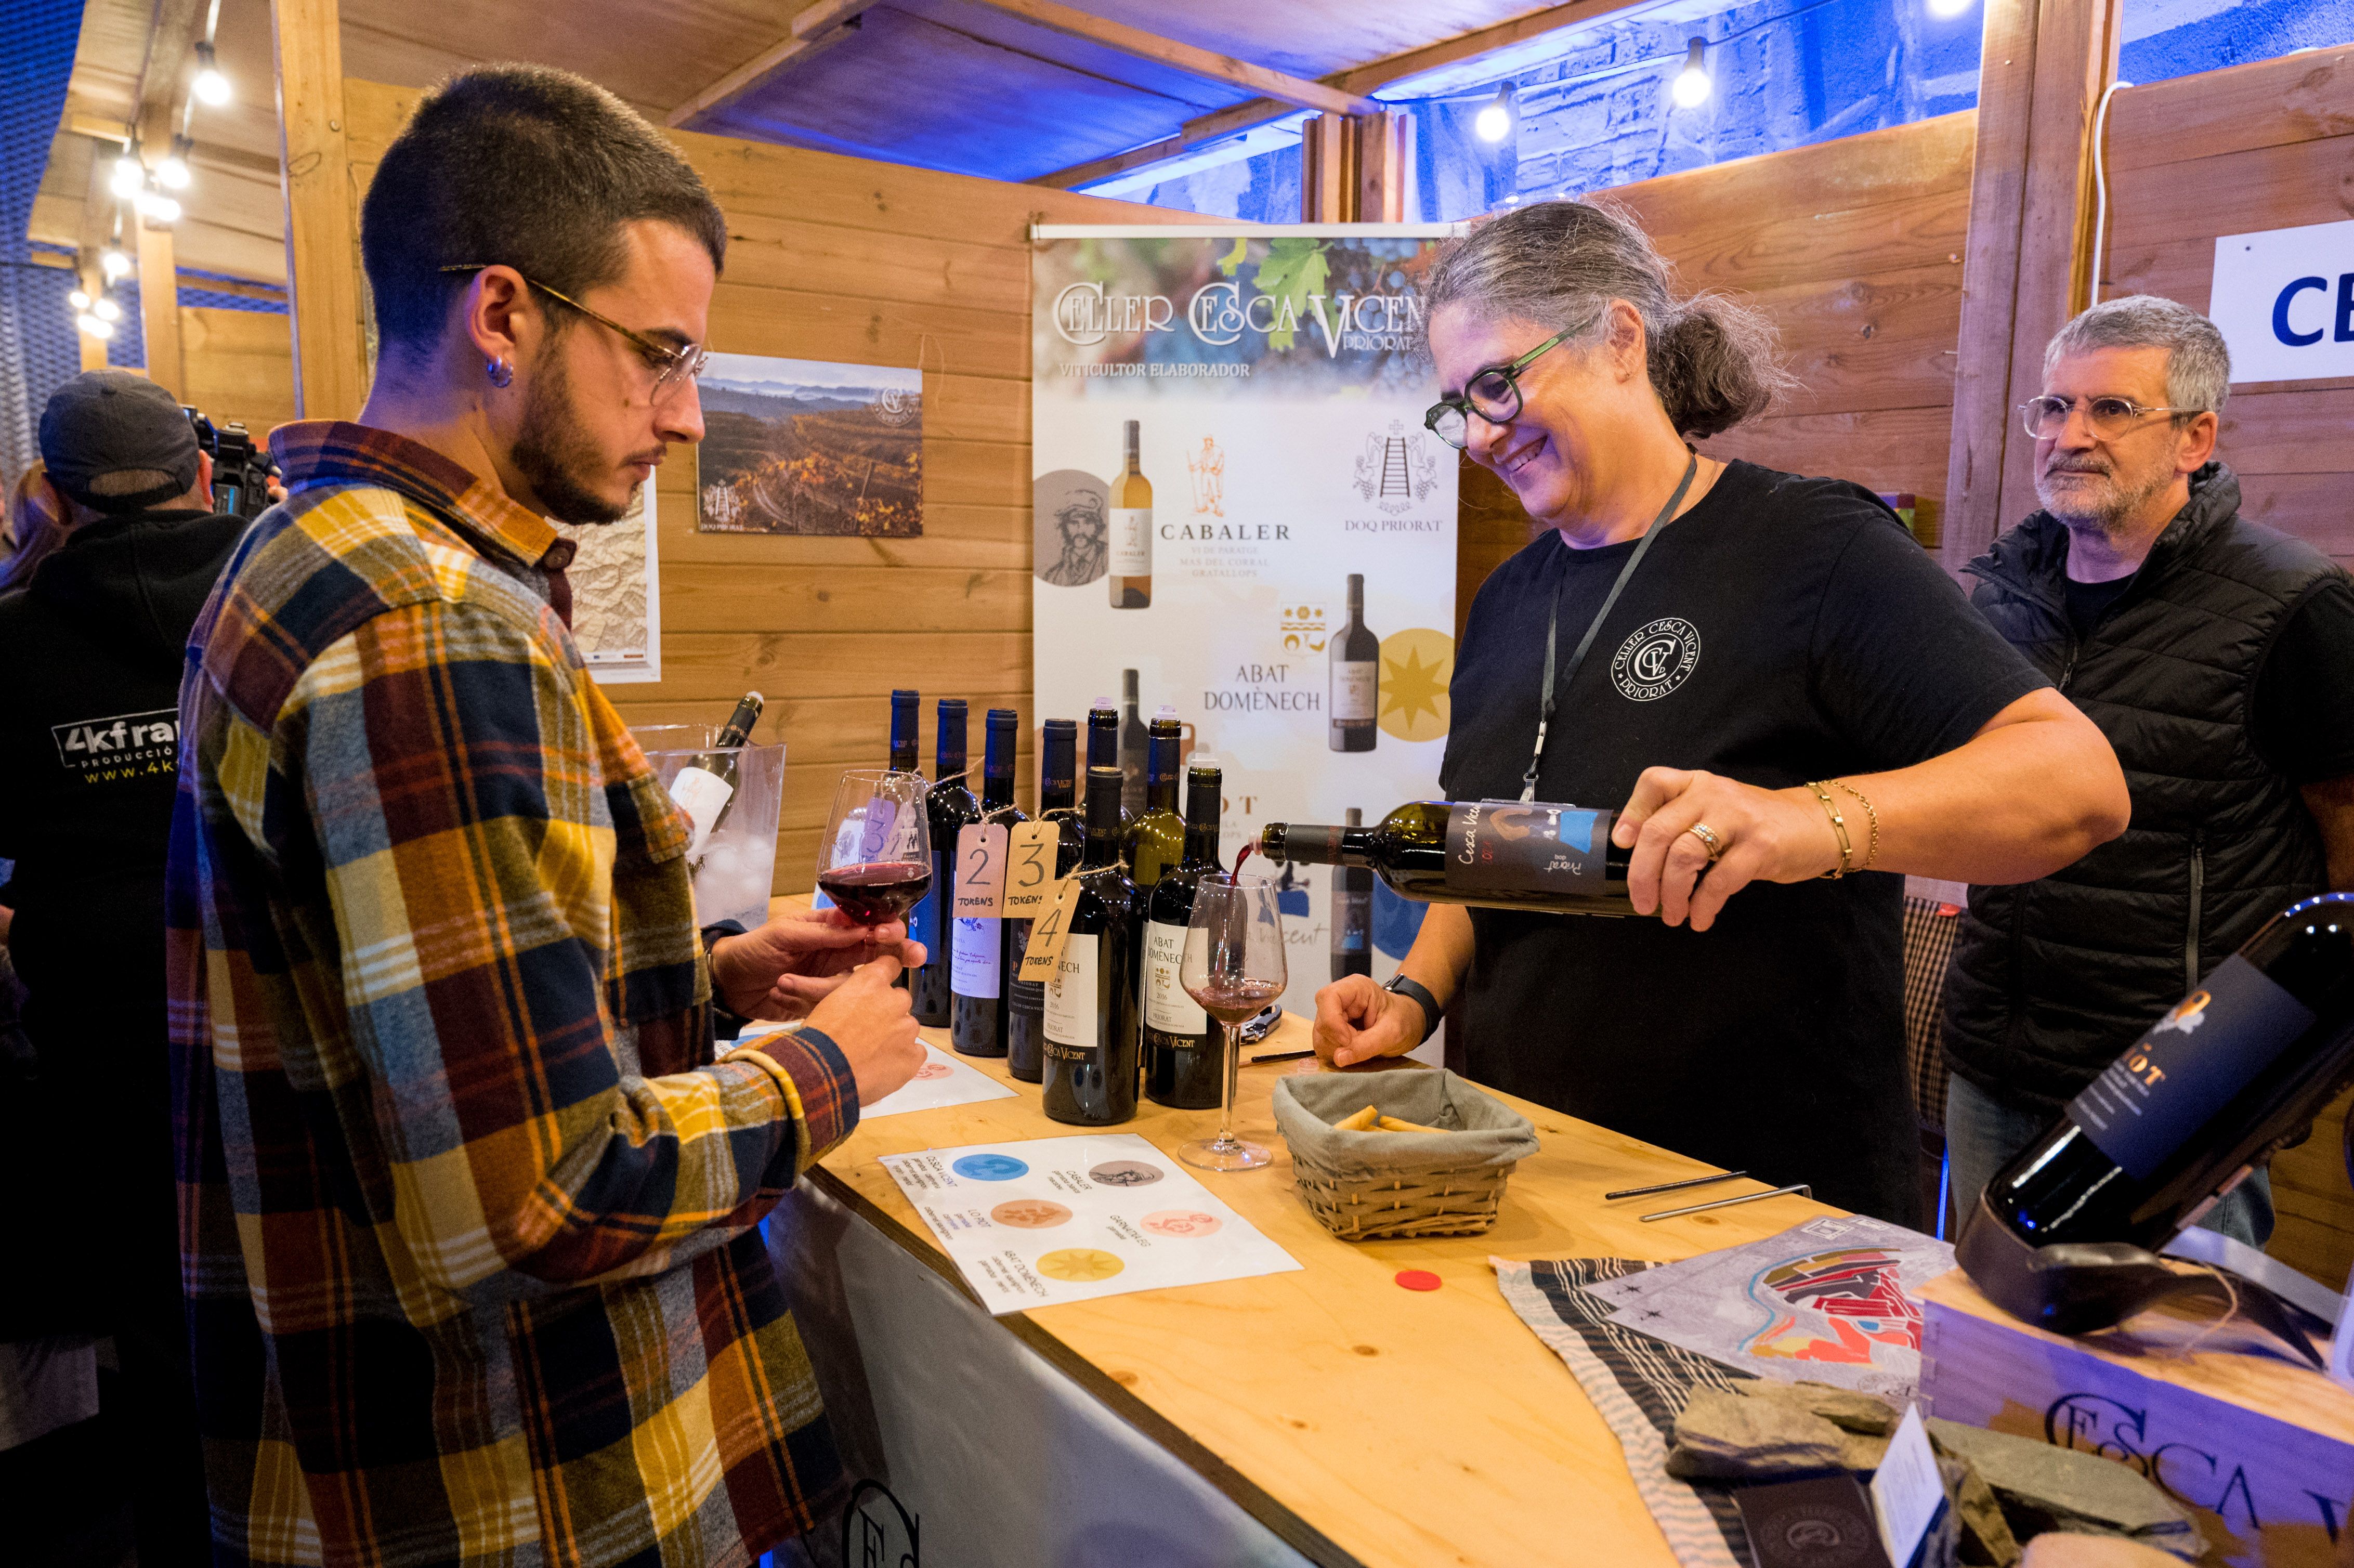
[(89, 749)]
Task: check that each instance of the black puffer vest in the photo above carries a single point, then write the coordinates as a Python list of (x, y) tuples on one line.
[(2052, 979)]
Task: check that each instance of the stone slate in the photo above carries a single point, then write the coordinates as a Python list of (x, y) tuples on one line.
[(2043, 1488), (1724, 1436), (1842, 1407)]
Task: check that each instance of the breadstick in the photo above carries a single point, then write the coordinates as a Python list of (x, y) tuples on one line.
[(1392, 1124), (1363, 1121)]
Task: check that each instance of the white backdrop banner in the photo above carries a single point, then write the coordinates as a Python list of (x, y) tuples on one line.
[(1275, 381), (2284, 300)]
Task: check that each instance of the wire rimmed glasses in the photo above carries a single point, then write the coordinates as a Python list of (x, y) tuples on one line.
[(2046, 418), (674, 365), (1232, 967)]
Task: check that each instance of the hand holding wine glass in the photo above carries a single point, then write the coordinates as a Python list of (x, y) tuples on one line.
[(875, 860), (1232, 967)]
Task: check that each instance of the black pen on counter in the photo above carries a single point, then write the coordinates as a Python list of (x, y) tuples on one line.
[(1282, 1055)]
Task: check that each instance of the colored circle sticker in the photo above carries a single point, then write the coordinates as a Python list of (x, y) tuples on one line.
[(935, 1070), (1124, 1173), (989, 1167), (1416, 665), (1417, 1279), (1079, 1265), (1182, 1223), (1029, 1214)]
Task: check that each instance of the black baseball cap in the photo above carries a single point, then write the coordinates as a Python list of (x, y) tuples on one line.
[(105, 422)]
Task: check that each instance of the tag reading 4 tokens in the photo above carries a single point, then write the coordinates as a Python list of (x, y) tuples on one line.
[(1029, 869), (980, 871), (1050, 932)]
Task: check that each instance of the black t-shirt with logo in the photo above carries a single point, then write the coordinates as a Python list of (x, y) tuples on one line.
[(1783, 630)]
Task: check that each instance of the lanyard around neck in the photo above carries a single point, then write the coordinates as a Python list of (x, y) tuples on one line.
[(1552, 624)]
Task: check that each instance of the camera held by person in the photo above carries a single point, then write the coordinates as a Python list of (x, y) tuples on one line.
[(242, 469)]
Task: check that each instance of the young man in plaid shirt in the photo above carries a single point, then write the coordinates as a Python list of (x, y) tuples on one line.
[(469, 1203)]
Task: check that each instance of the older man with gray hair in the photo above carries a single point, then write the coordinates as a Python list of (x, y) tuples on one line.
[(2218, 656)]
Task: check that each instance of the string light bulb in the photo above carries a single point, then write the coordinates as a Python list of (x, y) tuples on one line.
[(1691, 86), (96, 328), (114, 262), (1495, 122), (157, 207), (210, 86), (172, 173), (1947, 9), (107, 310), (130, 176), (78, 300)]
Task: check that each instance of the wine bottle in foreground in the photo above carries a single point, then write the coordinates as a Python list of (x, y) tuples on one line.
[(1497, 854), (904, 707), (950, 806), (1091, 1044), (705, 788), (1026, 1003), (977, 971), (1352, 915), (2234, 1070), (1104, 750), (1156, 840), (1184, 1053)]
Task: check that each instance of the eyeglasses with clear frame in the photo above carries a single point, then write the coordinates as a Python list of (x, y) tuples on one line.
[(1494, 394), (672, 368), (2107, 418)]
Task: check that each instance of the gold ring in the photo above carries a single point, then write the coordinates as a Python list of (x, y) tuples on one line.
[(1707, 836)]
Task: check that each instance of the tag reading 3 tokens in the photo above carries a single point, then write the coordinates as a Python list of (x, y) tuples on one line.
[(1050, 932), (1030, 868), (980, 871)]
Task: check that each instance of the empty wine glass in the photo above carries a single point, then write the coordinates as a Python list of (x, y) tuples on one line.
[(1232, 967), (875, 860)]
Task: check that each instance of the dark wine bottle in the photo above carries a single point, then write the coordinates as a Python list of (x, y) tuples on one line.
[(1497, 854), (1156, 840), (1025, 1006), (951, 807), (1134, 742), (2234, 1070), (976, 951), (1352, 915), (706, 788), (1091, 1041), (1104, 750), (904, 707), (1356, 690), (1185, 1051)]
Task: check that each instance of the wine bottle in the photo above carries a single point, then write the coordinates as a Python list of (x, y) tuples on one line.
[(1352, 915), (1156, 840), (1104, 748), (1091, 1041), (951, 806), (904, 706), (1025, 1006), (977, 971), (1184, 1053), (2234, 1070), (1356, 691), (1131, 532), (1135, 740), (704, 788), (1497, 854)]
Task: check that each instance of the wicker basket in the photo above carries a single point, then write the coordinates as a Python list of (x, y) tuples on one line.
[(1363, 1186)]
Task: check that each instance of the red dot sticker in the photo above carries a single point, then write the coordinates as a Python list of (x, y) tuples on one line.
[(1417, 1279)]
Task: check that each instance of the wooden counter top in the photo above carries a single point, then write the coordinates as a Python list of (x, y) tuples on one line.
[(1362, 1422)]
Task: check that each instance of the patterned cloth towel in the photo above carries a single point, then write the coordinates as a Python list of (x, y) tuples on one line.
[(1640, 1384)]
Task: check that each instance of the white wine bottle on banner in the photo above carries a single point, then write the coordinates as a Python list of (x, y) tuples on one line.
[(1356, 693), (1131, 533)]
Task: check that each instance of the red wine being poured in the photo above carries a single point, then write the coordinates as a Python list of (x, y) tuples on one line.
[(1244, 854), (1230, 1000), (879, 892)]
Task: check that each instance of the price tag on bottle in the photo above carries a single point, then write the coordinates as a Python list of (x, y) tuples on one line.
[(1050, 932), (1030, 868), (979, 870)]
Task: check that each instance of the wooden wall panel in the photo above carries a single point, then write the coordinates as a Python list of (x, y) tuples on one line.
[(237, 364)]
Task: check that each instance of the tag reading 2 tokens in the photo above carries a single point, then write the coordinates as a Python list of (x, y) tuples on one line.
[(980, 871), (1030, 868), (1050, 932)]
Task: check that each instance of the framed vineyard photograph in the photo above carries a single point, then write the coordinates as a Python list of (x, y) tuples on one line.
[(801, 446)]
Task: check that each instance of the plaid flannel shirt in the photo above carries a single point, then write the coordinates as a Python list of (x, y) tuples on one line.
[(468, 1210)]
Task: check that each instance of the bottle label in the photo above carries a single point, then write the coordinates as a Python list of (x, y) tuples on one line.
[(702, 795), (1025, 996), (1132, 541), (924, 919), (1356, 692), (974, 966), (1166, 1006), (1071, 995), (2156, 1097), (1352, 922), (1517, 846)]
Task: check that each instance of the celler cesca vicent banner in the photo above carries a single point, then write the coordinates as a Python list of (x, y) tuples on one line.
[(1277, 562)]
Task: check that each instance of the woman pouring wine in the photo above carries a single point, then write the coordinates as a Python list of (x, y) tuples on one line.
[(1792, 701)]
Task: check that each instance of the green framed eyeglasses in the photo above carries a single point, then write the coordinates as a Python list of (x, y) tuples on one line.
[(1494, 395), (672, 368)]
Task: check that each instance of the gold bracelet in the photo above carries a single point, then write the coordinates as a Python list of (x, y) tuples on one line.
[(1873, 852), (1839, 829)]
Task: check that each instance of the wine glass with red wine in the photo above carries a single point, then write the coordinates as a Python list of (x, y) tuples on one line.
[(1233, 968), (875, 860)]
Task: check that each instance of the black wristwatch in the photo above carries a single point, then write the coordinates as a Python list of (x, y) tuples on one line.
[(1419, 993)]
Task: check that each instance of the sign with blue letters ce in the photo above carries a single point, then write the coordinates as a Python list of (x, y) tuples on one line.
[(2284, 302)]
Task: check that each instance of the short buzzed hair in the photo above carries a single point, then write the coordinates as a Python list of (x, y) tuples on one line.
[(2197, 365), (521, 166)]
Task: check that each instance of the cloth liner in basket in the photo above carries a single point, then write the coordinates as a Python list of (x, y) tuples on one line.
[(1365, 1185)]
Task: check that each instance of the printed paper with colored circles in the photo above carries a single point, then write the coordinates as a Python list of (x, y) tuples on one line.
[(1048, 1220)]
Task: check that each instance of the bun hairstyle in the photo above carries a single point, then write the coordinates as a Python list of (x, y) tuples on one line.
[(1712, 362)]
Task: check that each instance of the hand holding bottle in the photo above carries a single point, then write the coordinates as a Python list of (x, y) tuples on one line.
[(1767, 835), (867, 1019), (792, 961), (1357, 1021)]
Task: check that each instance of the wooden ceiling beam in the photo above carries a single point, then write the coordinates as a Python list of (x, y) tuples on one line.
[(169, 49), (1295, 93), (1356, 81), (815, 28)]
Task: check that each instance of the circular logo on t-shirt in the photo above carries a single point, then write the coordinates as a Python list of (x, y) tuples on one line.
[(1655, 659)]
